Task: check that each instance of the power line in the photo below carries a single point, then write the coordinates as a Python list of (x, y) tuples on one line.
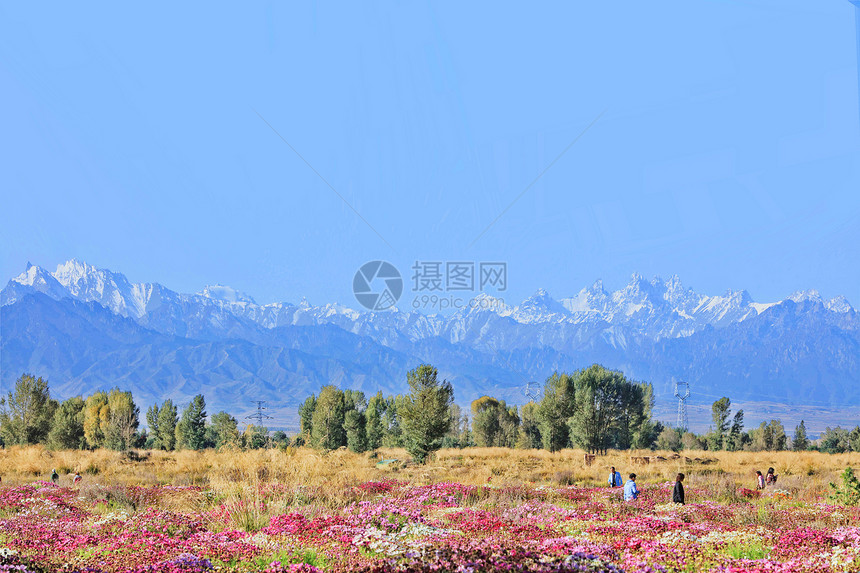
[(259, 415)]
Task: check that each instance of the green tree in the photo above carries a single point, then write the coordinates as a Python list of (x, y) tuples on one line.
[(425, 414), (600, 406), (459, 436), (800, 443), (720, 412), (509, 425), (256, 437), (280, 439), (854, 439), (67, 428), (152, 427), (762, 438), (328, 419), (778, 438), (356, 432), (734, 440), (691, 441), (120, 432), (835, 440), (168, 418), (556, 408), (393, 435), (485, 421), (191, 429), (225, 430), (354, 400), (374, 429), (849, 493), (528, 436), (96, 419), (306, 416), (669, 439), (644, 429), (26, 412)]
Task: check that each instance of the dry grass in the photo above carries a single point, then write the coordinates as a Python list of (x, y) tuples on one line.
[(237, 472)]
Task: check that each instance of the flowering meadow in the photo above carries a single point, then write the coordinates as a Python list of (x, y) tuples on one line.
[(388, 525)]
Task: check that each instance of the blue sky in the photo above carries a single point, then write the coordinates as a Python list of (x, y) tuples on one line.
[(728, 149)]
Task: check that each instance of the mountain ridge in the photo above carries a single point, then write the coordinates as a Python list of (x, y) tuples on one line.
[(87, 328)]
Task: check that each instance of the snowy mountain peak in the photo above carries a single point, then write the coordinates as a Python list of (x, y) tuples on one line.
[(596, 287), (810, 295), (540, 307), (73, 271), (650, 309), (839, 304), (226, 294), (33, 276)]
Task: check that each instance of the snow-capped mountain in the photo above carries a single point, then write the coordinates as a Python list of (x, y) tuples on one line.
[(86, 328), (652, 309)]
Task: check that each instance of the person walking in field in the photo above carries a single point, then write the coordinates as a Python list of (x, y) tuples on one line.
[(678, 492), (759, 480), (631, 492), (615, 478), (770, 479), (55, 477), (77, 478)]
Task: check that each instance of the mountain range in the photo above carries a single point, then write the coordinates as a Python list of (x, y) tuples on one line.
[(86, 328)]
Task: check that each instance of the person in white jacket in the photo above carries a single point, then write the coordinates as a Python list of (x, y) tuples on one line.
[(615, 478)]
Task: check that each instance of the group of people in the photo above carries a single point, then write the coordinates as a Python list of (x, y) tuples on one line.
[(631, 491), (762, 481), (55, 477)]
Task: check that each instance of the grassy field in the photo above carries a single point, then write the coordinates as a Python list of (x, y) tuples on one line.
[(479, 509), (805, 473)]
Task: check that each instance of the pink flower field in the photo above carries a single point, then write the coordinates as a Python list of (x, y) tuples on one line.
[(394, 526)]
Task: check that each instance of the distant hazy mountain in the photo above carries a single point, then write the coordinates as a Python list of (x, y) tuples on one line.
[(87, 328)]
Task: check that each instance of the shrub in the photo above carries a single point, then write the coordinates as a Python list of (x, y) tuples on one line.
[(849, 492)]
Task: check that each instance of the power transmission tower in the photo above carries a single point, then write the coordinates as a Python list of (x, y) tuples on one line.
[(682, 392), (532, 392), (259, 415)]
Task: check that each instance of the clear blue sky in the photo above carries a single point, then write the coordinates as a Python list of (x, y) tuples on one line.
[(728, 153)]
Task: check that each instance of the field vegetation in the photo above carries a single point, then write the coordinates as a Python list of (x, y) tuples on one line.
[(473, 509)]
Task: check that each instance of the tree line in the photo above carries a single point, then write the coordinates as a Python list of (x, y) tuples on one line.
[(595, 409), (727, 433), (111, 420)]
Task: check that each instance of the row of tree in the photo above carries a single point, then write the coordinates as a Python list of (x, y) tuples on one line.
[(594, 408), (727, 433), (28, 415), (419, 421)]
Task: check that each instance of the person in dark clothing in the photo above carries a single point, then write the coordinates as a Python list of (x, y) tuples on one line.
[(770, 478), (55, 477), (678, 492)]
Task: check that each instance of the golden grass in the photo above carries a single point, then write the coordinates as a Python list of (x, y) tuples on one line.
[(237, 471)]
